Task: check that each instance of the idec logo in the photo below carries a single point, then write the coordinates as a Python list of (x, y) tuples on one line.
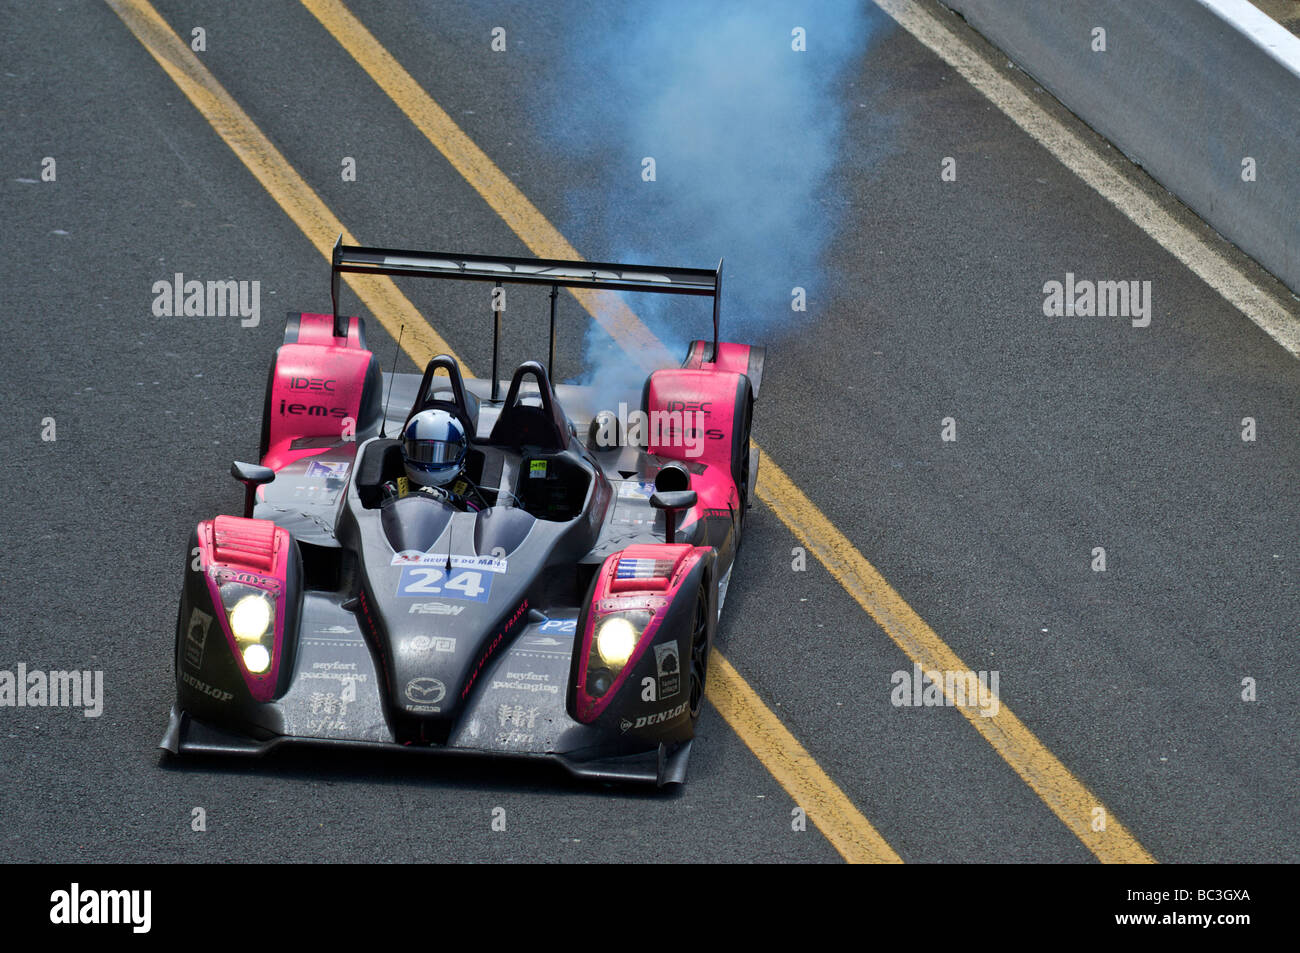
[(697, 407), (704, 405), (312, 383)]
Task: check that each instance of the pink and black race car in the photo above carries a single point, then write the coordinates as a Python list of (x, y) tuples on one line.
[(569, 617)]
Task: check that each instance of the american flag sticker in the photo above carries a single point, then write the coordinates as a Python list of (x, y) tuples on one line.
[(644, 568)]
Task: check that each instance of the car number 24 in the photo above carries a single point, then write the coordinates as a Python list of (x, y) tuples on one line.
[(467, 585)]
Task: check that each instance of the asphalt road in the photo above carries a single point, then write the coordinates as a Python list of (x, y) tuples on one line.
[(924, 302)]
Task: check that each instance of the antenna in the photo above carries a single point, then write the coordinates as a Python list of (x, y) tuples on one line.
[(392, 375), (451, 524)]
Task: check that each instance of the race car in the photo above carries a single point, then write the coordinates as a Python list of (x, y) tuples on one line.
[(568, 615)]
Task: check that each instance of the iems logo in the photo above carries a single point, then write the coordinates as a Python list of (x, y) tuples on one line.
[(312, 410), (312, 383)]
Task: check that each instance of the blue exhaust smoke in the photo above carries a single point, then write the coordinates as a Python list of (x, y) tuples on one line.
[(744, 131)]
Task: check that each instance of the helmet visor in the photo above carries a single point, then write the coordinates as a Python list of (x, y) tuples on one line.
[(433, 453)]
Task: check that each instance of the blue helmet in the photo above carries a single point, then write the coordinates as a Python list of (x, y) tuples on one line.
[(433, 448)]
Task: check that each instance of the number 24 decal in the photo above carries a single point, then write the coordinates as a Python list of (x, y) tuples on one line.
[(467, 585)]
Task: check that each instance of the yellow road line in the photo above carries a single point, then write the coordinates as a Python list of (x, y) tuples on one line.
[(1060, 790), (379, 294), (825, 804), (793, 767), (1065, 794)]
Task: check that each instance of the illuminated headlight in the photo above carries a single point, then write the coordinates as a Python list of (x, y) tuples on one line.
[(612, 647), (257, 658), (615, 640), (249, 620), (250, 612)]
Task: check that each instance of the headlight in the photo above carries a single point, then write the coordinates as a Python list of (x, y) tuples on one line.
[(250, 612), (615, 640), (250, 618), (612, 647), (257, 658)]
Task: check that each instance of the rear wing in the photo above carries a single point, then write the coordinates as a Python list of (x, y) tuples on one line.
[(610, 276)]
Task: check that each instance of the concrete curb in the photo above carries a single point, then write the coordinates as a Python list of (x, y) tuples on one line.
[(1189, 89)]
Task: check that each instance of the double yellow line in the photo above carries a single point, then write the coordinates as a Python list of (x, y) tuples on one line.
[(792, 766)]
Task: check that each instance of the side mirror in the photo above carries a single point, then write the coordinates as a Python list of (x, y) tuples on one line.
[(252, 475), (670, 503)]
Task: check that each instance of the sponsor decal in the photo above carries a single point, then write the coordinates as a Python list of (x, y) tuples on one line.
[(328, 471), (267, 583), (312, 410), (413, 557), (518, 722), (509, 625), (517, 716), (196, 637), (329, 711), (319, 384), (465, 585), (635, 490), (531, 682), (562, 626), (127, 907), (344, 677), (669, 664), (430, 643), (547, 641), (215, 694), (337, 671), (435, 608), (426, 691), (658, 718), (641, 567), (515, 739)]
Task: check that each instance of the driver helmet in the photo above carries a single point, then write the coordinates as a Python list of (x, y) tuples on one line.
[(433, 448)]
